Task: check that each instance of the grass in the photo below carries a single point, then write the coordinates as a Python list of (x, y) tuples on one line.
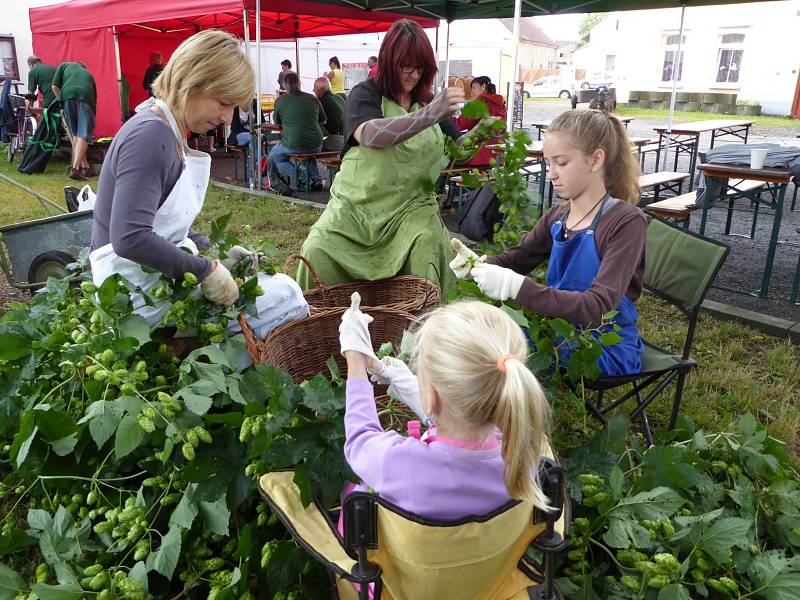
[(649, 113), (741, 370)]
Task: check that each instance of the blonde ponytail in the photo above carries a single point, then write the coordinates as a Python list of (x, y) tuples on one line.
[(474, 355), (521, 416), (590, 130)]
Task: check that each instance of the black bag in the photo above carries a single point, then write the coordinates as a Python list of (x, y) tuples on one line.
[(481, 213), (278, 184), (45, 139)]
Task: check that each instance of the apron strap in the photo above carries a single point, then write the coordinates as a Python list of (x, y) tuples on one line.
[(608, 204)]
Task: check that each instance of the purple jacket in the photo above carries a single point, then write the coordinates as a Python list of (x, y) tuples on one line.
[(437, 478)]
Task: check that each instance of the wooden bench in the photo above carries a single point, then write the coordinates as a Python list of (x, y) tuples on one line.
[(677, 208), (331, 163), (239, 152), (306, 159), (671, 180)]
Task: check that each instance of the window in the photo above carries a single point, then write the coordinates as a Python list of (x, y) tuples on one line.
[(729, 57), (611, 61), (670, 56), (8, 56)]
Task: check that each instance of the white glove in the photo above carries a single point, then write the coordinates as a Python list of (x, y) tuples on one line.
[(236, 253), (354, 329), (403, 384), (497, 282), (465, 259), (218, 286)]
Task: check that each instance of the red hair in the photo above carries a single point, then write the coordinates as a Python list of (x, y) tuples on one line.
[(406, 44)]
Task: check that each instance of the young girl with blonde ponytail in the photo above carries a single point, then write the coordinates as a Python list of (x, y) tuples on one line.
[(594, 239), (488, 415)]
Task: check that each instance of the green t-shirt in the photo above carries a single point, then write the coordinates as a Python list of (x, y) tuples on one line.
[(301, 116), (41, 76), (76, 83), (333, 106)]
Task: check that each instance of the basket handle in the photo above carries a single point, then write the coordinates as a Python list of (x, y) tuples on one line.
[(294, 258), (253, 345), (430, 287)]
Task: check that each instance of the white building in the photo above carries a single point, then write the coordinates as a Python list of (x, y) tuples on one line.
[(745, 49)]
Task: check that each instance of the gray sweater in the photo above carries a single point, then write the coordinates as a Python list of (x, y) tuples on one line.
[(139, 171)]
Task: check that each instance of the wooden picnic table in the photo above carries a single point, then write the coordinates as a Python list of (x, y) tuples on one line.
[(717, 178), (533, 150), (542, 125), (685, 138)]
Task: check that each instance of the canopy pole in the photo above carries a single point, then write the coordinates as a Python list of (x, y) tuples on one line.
[(676, 68), (250, 155), (119, 69), (437, 48), (297, 54), (446, 81), (514, 57), (257, 172)]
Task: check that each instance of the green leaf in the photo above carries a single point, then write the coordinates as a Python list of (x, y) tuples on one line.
[(516, 315), (715, 539), (58, 592), (777, 576), (673, 591), (65, 445), (136, 327), (165, 558), (320, 397), (129, 436), (216, 515), (615, 479), (609, 338), (186, 511), (103, 418), (13, 346), (475, 110), (196, 403), (11, 583), (139, 573), (15, 540), (55, 424), (654, 504)]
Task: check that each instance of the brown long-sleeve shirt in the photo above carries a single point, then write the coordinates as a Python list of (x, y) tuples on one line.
[(619, 236)]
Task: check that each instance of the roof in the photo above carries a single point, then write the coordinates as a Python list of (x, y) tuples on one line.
[(529, 32)]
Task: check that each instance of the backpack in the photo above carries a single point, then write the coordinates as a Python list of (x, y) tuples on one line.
[(481, 213)]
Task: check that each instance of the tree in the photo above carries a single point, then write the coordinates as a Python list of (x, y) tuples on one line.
[(589, 22)]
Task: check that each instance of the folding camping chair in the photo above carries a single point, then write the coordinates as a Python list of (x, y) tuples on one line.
[(407, 557), (679, 267)]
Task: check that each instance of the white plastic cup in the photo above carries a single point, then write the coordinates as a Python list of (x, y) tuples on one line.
[(757, 156)]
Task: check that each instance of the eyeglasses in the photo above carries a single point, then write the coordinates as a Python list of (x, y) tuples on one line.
[(408, 70)]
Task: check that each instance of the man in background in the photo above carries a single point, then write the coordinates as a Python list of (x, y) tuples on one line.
[(153, 71), (286, 68), (74, 85), (333, 106), (372, 63), (40, 78)]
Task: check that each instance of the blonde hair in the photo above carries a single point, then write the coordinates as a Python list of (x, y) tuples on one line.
[(590, 130), (211, 63), (457, 351)]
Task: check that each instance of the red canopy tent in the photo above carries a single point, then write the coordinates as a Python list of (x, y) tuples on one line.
[(85, 30)]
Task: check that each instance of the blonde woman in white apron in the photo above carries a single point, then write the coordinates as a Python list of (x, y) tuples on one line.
[(152, 186)]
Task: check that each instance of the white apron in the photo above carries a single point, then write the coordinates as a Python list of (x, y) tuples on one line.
[(283, 299)]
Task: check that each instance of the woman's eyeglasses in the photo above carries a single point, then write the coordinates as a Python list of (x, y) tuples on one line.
[(408, 70)]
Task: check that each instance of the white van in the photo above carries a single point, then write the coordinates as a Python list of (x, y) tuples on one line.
[(548, 87)]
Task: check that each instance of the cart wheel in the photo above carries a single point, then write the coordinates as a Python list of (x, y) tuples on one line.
[(11, 148), (49, 264)]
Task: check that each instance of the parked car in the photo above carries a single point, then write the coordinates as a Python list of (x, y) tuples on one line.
[(548, 87), (596, 80)]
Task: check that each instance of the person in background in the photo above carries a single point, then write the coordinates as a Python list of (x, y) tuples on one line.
[(382, 218), (286, 68), (124, 97), (488, 413), (372, 63), (336, 77), (74, 86), (153, 71), (40, 78), (301, 116), (593, 240), (240, 125), (483, 89), (333, 106)]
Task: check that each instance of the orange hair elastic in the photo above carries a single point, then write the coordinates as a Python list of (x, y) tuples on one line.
[(501, 362)]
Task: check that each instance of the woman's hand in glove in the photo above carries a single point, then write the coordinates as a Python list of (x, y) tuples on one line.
[(446, 103), (236, 253), (465, 259), (497, 282), (402, 382), (354, 329), (218, 286)]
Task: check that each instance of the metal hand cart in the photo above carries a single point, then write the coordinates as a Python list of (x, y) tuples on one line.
[(25, 127), (32, 251)]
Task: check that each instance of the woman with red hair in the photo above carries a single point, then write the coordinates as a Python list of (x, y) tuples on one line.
[(383, 217)]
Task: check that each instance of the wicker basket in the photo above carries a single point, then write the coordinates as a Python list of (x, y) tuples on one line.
[(302, 347), (407, 293), (393, 415)]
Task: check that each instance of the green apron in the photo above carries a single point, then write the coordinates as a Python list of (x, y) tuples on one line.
[(383, 219)]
